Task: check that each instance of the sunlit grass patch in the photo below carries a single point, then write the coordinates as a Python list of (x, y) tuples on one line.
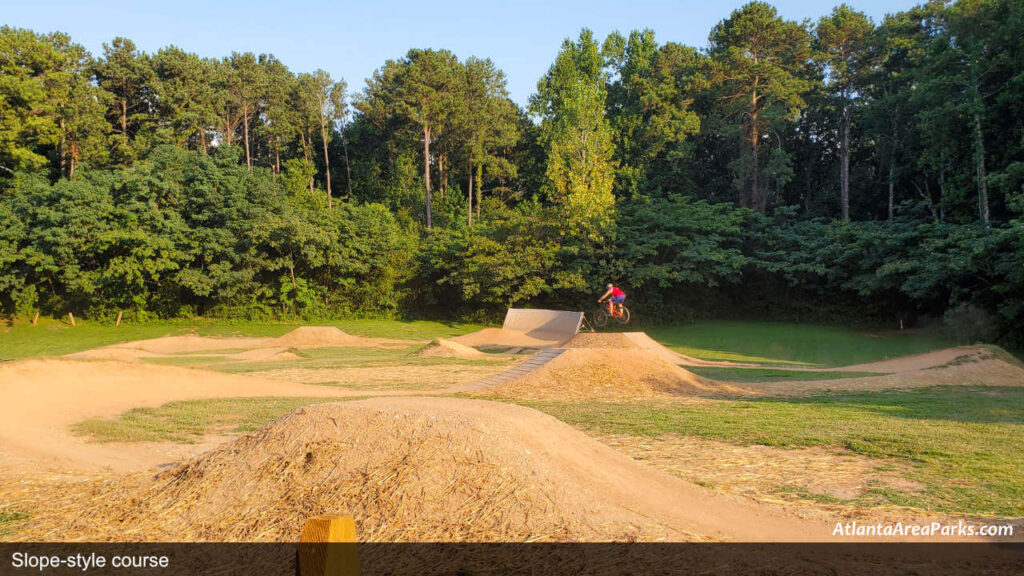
[(961, 443), (188, 421), (745, 375)]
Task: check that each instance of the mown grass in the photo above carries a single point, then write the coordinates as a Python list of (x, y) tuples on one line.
[(188, 421), (748, 375), (782, 343), (962, 443), (51, 337), (331, 358)]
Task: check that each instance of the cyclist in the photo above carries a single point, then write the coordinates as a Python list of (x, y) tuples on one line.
[(617, 296)]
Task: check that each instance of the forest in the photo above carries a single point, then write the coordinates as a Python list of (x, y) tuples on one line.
[(837, 170)]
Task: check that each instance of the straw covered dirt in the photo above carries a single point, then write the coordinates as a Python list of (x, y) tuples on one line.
[(410, 469)]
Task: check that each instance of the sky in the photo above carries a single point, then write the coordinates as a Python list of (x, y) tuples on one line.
[(352, 39)]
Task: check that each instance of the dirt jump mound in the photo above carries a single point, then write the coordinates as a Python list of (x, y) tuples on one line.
[(587, 370), (238, 348), (412, 469), (444, 348)]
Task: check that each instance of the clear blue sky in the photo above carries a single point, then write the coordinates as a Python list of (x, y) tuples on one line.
[(351, 39)]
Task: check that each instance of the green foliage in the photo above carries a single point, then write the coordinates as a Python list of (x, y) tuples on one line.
[(511, 259), (570, 101), (170, 185)]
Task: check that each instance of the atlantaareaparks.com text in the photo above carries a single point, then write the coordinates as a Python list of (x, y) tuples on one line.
[(934, 529)]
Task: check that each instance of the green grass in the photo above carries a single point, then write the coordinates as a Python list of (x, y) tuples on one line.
[(962, 443), (329, 358), (53, 337), (781, 343), (187, 421), (9, 520), (189, 360), (745, 375)]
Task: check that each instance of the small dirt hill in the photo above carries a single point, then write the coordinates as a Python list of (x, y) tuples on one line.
[(319, 337), (444, 348), (585, 372), (415, 469)]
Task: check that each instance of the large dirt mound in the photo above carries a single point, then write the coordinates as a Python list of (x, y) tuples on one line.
[(608, 373), (444, 348), (407, 473), (409, 469)]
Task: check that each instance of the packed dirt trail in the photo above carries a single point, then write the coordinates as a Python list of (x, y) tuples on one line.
[(41, 399)]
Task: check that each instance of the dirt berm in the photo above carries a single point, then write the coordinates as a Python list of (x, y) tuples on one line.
[(411, 469)]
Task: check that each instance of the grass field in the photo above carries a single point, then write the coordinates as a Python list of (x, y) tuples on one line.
[(322, 359), (962, 443), (53, 337), (743, 375), (188, 421), (800, 344)]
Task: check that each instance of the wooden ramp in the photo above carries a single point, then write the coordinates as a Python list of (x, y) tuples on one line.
[(534, 362)]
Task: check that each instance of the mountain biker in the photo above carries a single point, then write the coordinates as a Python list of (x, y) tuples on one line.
[(617, 296)]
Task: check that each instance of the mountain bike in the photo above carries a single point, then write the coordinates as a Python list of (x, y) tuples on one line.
[(609, 311)]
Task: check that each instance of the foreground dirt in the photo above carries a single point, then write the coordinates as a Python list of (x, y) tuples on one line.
[(414, 469), (418, 468)]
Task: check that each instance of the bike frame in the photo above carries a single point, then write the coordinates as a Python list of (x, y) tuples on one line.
[(613, 310)]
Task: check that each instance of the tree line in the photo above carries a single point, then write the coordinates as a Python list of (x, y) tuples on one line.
[(838, 168)]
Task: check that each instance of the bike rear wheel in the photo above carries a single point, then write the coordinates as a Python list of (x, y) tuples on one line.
[(625, 317), (599, 317)]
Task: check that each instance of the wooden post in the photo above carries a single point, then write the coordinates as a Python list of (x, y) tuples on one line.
[(35, 319), (317, 557), (118, 321), (71, 318)]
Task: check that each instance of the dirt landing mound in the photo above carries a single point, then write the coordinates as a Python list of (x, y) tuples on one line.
[(500, 338), (410, 469), (319, 337), (444, 348), (190, 343), (982, 369), (937, 358), (601, 340), (406, 475), (609, 373), (238, 348)]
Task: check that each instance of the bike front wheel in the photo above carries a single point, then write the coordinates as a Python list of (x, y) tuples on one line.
[(600, 318)]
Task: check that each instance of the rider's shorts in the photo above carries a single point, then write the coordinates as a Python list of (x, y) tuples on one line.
[(618, 299)]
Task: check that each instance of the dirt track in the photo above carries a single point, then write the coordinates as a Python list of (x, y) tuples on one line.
[(41, 399)]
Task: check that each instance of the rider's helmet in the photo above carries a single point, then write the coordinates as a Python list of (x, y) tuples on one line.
[(609, 286)]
